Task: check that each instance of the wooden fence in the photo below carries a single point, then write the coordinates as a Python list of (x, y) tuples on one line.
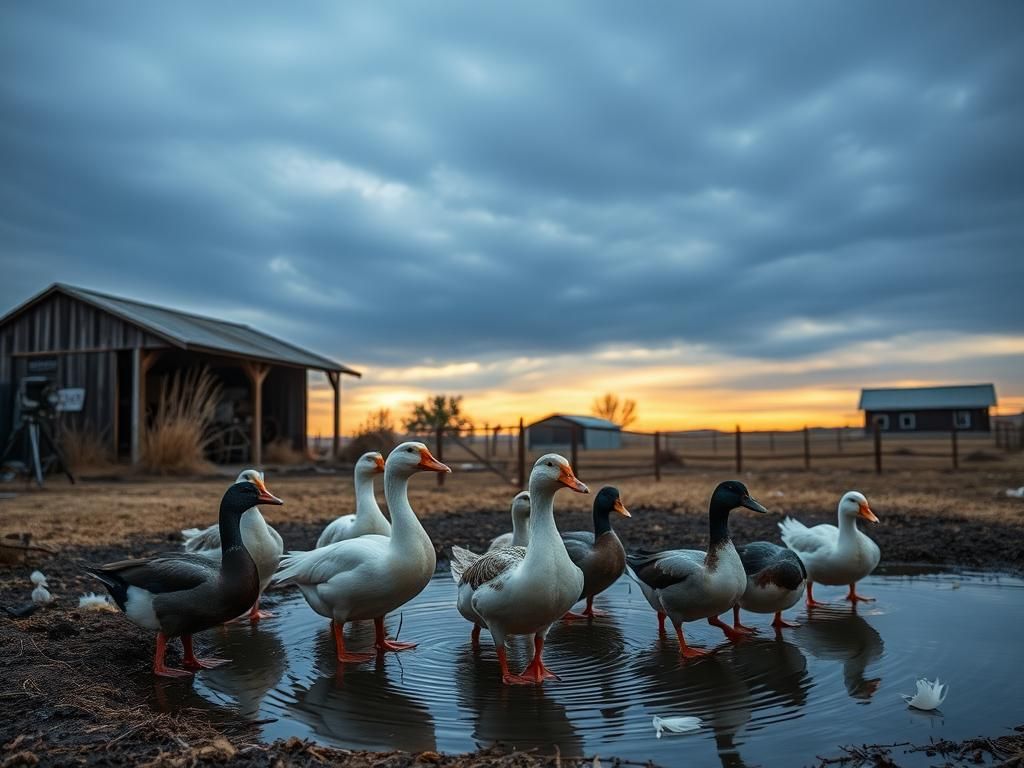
[(505, 450)]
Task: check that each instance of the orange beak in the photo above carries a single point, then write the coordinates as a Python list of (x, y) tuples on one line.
[(266, 497), (570, 481), (380, 463), (429, 463), (618, 507), (867, 514)]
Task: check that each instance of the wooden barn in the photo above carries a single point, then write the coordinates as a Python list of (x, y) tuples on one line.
[(112, 355), (962, 408), (555, 432)]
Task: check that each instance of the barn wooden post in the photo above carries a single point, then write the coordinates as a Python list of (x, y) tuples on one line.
[(575, 449), (878, 448), (256, 372), (522, 455), (657, 457), (739, 449), (439, 454), (956, 452), (142, 361), (335, 378), (807, 448)]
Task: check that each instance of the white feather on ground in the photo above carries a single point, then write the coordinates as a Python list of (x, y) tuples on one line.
[(675, 724), (41, 596), (38, 578), (929, 695)]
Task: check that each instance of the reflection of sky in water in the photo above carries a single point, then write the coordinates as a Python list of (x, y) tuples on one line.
[(768, 701)]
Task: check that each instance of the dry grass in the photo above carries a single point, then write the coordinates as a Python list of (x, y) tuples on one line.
[(281, 452), (176, 441), (95, 513), (84, 449)]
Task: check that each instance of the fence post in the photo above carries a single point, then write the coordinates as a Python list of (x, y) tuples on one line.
[(657, 457), (839, 439), (771, 441), (807, 448), (739, 449), (714, 442), (439, 453), (574, 450), (878, 449), (956, 452), (522, 455), (494, 441)]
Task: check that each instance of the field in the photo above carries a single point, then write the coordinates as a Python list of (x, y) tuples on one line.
[(59, 701)]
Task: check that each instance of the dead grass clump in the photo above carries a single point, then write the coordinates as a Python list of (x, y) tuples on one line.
[(281, 451), (176, 441), (84, 448)]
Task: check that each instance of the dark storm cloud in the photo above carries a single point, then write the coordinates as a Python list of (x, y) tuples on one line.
[(411, 183)]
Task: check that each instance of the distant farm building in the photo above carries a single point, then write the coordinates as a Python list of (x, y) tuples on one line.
[(556, 432), (114, 353), (929, 409)]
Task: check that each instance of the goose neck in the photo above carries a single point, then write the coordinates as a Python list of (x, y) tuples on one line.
[(404, 524), (365, 499)]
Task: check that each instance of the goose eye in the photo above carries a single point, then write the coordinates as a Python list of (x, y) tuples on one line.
[(550, 464)]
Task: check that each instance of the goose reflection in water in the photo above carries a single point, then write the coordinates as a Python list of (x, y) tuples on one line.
[(847, 638), (777, 668), (362, 705), (258, 662), (522, 717), (710, 689)]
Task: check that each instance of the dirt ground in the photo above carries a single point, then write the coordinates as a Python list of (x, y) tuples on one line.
[(61, 702)]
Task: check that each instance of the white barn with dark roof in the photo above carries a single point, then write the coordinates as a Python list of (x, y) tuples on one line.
[(964, 408), (120, 350)]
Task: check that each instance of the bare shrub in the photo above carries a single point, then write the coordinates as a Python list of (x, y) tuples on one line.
[(281, 451), (176, 441), (84, 448), (377, 433)]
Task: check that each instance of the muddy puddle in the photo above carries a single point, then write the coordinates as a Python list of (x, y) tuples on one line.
[(768, 701)]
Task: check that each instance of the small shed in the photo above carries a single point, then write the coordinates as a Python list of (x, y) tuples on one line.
[(555, 432), (114, 352), (964, 408)]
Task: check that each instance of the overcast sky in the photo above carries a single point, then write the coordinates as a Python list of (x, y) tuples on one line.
[(531, 202)]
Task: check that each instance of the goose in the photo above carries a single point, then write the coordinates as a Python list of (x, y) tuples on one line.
[(370, 576), (599, 554), (181, 593), (523, 591), (519, 536), (263, 542), (687, 584), (775, 582), (835, 556), (367, 518), (462, 558)]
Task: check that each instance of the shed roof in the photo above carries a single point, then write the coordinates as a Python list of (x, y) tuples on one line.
[(928, 398), (592, 422), (190, 331)]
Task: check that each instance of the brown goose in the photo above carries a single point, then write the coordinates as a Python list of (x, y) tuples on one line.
[(179, 594), (600, 554)]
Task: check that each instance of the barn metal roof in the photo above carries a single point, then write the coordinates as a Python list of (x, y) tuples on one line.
[(928, 398), (584, 421), (191, 331)]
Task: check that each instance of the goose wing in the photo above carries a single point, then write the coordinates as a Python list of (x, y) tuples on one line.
[(800, 538), (660, 570), (491, 565), (160, 574), (197, 539), (460, 560), (579, 545), (320, 565)]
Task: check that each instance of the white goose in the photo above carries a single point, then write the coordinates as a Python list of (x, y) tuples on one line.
[(835, 556), (367, 518), (370, 576), (462, 558), (517, 591), (687, 584), (263, 543)]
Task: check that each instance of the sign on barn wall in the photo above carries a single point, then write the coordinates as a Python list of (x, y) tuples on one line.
[(70, 400)]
